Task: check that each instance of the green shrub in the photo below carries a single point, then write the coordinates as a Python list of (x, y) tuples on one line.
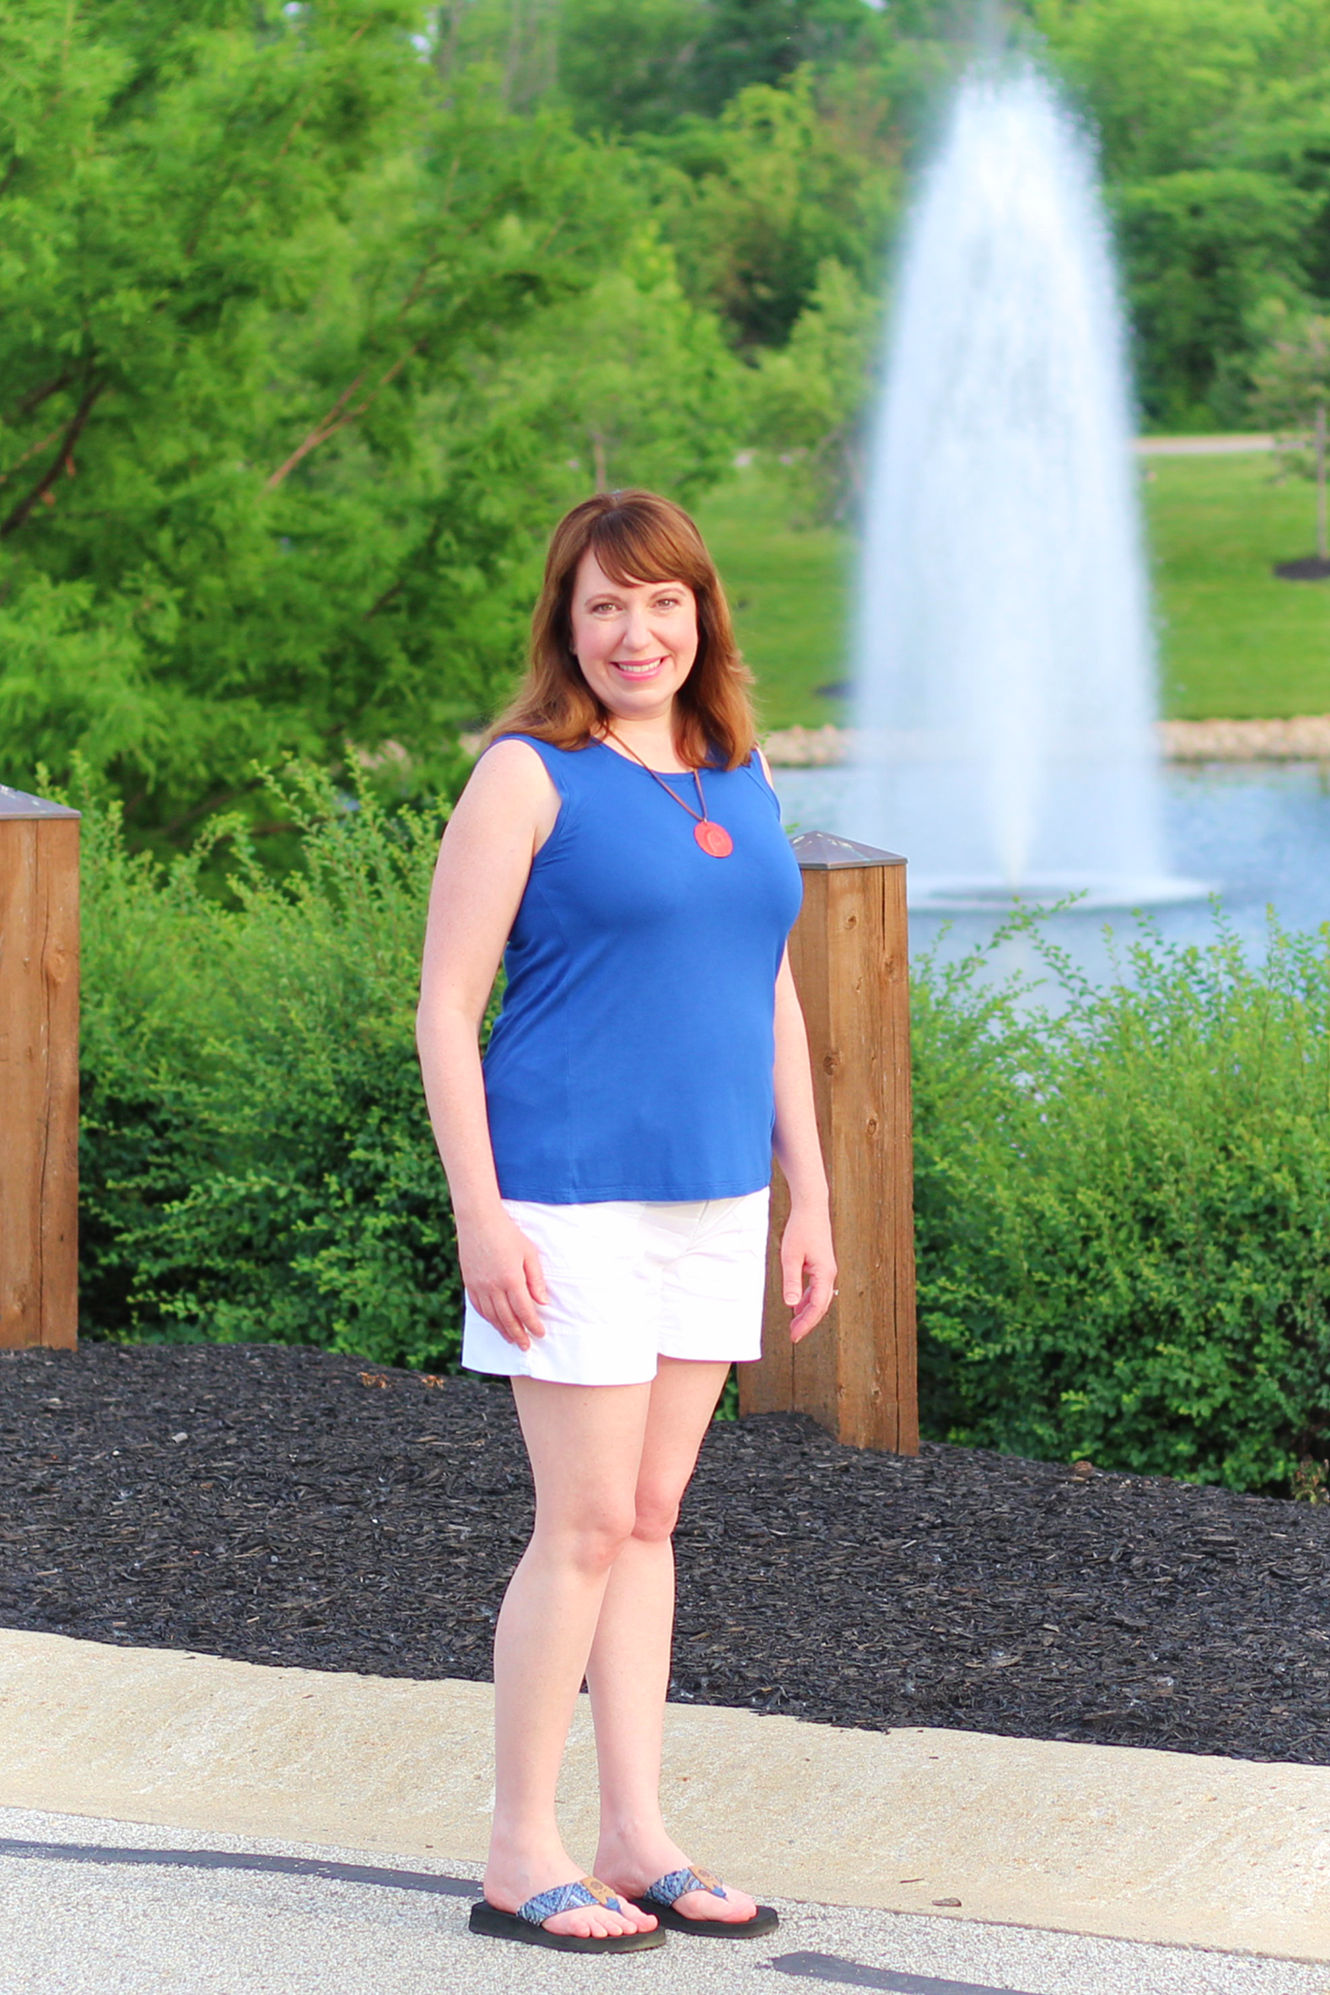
[(1124, 1208), (257, 1161)]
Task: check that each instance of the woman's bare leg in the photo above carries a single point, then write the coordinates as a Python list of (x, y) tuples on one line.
[(585, 1445), (629, 1666)]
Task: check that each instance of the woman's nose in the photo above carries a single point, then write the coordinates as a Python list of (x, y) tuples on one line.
[(637, 631)]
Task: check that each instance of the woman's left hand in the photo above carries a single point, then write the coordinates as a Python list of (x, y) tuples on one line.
[(808, 1267)]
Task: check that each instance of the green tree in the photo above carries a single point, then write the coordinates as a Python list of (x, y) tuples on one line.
[(787, 178), (809, 397), (628, 70), (267, 482), (515, 40), (1214, 117), (643, 68), (1169, 83), (1290, 394), (1203, 249), (653, 384)]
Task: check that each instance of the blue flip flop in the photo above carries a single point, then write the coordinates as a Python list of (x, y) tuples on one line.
[(660, 1896), (527, 1923)]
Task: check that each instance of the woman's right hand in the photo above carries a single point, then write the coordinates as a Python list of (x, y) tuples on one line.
[(503, 1276)]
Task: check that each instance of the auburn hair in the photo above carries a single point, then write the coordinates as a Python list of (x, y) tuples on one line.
[(636, 537)]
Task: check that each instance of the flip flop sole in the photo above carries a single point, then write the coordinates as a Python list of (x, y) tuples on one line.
[(497, 1925), (764, 1920)]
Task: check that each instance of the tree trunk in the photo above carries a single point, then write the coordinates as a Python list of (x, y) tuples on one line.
[(1321, 549)]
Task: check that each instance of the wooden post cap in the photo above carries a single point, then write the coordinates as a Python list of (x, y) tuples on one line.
[(818, 851), (18, 804)]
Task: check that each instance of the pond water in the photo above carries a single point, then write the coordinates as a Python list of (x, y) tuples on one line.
[(1258, 834)]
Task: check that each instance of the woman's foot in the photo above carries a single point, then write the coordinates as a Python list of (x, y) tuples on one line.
[(510, 1880), (630, 1866)]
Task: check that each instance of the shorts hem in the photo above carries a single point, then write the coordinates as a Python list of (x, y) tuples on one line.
[(633, 1194)]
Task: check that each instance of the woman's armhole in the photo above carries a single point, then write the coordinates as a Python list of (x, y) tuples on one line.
[(553, 797), (764, 767)]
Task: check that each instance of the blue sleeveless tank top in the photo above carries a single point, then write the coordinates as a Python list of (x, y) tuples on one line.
[(632, 1056)]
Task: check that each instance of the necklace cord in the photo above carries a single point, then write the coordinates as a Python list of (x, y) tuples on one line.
[(656, 777)]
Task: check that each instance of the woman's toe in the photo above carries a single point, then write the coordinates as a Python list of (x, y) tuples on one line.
[(733, 1909), (577, 1924), (599, 1922)]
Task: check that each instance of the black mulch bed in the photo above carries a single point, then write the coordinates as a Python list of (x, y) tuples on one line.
[(287, 1506)]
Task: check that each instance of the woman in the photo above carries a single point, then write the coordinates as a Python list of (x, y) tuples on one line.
[(620, 840)]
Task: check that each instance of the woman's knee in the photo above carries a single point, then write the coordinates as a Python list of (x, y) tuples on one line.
[(590, 1539), (657, 1511)]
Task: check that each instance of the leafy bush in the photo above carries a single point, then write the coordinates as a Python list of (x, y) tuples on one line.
[(256, 1156), (1124, 1208)]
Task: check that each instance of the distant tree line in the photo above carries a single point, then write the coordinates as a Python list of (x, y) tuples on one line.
[(313, 315), (1213, 119)]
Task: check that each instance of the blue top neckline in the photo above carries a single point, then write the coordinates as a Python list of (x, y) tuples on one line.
[(679, 775)]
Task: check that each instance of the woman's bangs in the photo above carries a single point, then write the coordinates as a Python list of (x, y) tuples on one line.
[(633, 549)]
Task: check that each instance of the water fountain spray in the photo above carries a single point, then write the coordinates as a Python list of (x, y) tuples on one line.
[(1005, 672)]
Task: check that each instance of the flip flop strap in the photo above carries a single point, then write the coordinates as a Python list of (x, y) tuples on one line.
[(568, 1898), (677, 1882)]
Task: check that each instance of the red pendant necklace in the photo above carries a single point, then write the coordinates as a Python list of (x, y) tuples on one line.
[(712, 837)]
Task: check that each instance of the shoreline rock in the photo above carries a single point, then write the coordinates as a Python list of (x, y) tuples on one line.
[(1301, 738)]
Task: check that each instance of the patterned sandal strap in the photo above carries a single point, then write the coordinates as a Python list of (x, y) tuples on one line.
[(568, 1898), (676, 1883)]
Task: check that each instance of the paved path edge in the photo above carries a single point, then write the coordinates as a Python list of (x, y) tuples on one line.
[(1115, 1841)]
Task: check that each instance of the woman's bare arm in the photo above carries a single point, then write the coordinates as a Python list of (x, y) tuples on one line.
[(503, 816), (807, 1257)]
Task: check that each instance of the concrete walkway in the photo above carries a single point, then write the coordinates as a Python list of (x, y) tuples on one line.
[(928, 1862)]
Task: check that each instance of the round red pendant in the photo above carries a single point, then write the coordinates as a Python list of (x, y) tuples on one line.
[(713, 838)]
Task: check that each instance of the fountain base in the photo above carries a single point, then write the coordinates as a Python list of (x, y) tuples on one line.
[(1094, 896)]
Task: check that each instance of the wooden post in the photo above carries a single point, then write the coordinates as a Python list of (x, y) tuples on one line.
[(39, 955), (856, 1372)]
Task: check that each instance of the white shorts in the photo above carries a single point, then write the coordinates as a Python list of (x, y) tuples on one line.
[(631, 1280)]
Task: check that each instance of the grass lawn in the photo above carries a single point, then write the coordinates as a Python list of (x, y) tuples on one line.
[(789, 588), (1233, 641)]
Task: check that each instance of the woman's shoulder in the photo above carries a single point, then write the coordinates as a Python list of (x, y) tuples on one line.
[(532, 772), (516, 739), (510, 770)]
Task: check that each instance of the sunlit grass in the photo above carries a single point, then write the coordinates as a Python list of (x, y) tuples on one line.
[(789, 588), (1233, 639)]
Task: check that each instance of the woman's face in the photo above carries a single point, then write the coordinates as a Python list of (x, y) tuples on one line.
[(635, 641)]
